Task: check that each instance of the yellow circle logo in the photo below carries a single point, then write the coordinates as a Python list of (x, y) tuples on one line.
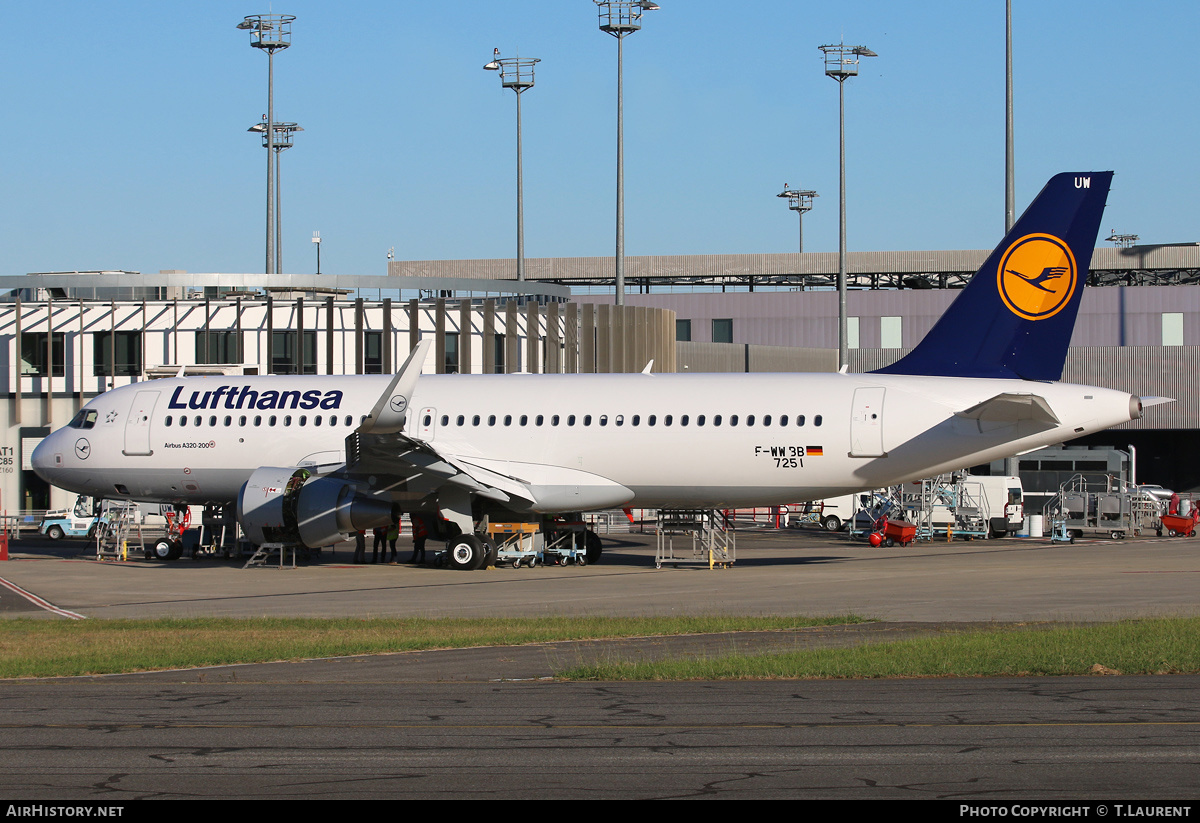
[(1037, 276)]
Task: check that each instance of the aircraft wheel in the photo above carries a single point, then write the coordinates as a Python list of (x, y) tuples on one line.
[(55, 533), (467, 552), (594, 547), (830, 523), (162, 549)]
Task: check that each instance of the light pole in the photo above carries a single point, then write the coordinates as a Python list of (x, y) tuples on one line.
[(317, 241), (516, 73), (1010, 197), (282, 140), (841, 61), (799, 201), (271, 33), (621, 18)]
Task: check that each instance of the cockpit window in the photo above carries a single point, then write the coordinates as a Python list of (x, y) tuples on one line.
[(86, 419)]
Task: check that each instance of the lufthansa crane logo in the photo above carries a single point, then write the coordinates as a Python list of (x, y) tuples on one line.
[(399, 403), (1037, 276)]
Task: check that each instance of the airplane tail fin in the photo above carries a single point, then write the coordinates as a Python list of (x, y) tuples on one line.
[(1015, 318)]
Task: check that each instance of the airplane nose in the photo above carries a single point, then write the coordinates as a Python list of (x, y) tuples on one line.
[(46, 457)]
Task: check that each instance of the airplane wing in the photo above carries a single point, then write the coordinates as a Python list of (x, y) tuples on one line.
[(409, 465)]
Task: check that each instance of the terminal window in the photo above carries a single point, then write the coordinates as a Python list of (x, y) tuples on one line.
[(451, 360), (890, 333), (117, 353), (498, 347), (33, 354), (373, 352), (683, 330), (284, 358), (722, 331), (218, 346), (1172, 328)]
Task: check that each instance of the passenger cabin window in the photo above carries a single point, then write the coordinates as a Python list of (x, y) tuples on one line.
[(817, 420)]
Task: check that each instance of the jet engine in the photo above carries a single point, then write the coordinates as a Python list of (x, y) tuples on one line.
[(290, 505)]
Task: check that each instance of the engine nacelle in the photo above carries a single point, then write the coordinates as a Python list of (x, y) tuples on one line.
[(289, 505)]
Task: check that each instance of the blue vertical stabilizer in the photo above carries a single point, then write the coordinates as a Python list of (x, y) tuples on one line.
[(1015, 318)]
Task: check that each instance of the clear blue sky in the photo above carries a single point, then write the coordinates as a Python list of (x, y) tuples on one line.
[(124, 136)]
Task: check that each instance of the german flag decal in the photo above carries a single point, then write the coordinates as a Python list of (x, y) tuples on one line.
[(814, 451)]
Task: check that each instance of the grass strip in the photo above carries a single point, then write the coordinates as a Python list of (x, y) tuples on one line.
[(1150, 646), (45, 648)]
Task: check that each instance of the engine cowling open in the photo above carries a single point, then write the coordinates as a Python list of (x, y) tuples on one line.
[(290, 505)]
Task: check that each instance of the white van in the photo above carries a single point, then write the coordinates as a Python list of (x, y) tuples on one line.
[(835, 512)]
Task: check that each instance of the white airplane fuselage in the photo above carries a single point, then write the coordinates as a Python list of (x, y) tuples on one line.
[(661, 440)]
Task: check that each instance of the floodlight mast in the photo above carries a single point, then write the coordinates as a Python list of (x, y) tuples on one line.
[(799, 201), (621, 18), (841, 62), (516, 73), (270, 33), (1123, 241)]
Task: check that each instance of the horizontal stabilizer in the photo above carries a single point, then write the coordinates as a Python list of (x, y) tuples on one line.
[(1012, 407)]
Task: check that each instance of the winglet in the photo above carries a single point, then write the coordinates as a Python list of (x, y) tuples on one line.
[(391, 409), (648, 367)]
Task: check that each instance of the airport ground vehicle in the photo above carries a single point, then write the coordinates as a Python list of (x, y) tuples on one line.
[(86, 518), (78, 521)]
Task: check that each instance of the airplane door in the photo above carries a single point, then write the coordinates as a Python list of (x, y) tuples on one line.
[(137, 424), (427, 423), (866, 423)]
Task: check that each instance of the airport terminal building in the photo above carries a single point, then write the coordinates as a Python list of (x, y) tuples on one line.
[(70, 336)]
